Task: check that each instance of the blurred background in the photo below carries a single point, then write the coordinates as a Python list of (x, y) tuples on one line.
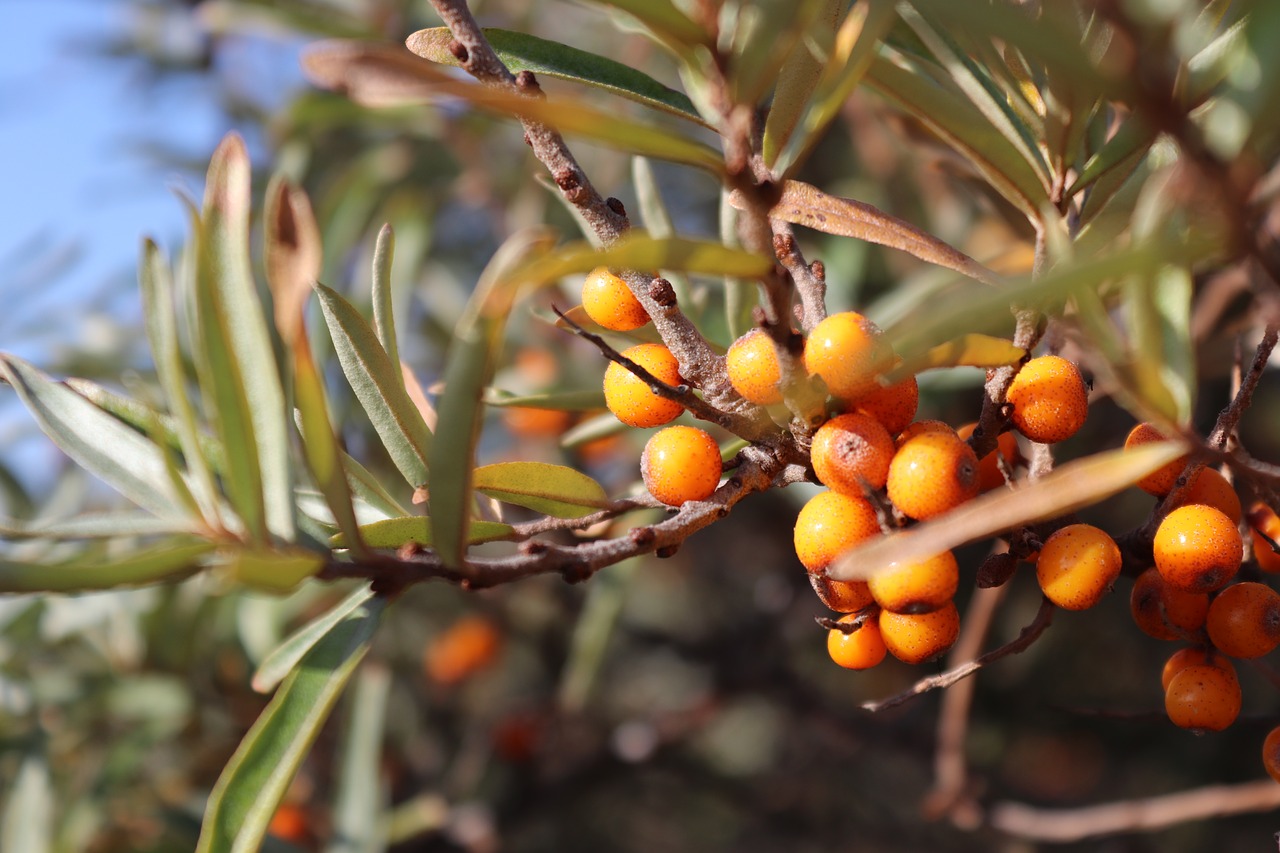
[(677, 704)]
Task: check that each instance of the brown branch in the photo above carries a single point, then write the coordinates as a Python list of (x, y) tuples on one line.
[(551, 524), (853, 625), (810, 280)]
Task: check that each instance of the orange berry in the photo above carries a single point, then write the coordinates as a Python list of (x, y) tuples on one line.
[(931, 474), (989, 474), (754, 372), (1192, 656), (532, 422), (1197, 548), (917, 587), (1204, 697), (862, 649), (830, 524), (1210, 488), (920, 427), (846, 350), (1263, 520), (917, 637), (1163, 611), (629, 397), (849, 450), (842, 596), (892, 405), (1271, 753), (680, 464), (1244, 620), (1049, 399), (460, 651), (1159, 482), (610, 303), (290, 823), (1077, 566)]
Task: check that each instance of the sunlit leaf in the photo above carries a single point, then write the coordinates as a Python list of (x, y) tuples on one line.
[(96, 525), (551, 489), (593, 429), (28, 823), (1123, 151), (394, 532), (972, 350), (642, 252), (167, 561), (664, 19), (797, 80), (384, 318), (282, 660), (277, 571), (563, 401), (358, 825)]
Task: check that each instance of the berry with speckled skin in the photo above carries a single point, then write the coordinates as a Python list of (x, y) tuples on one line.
[(1197, 548), (754, 372), (610, 303), (1077, 566), (1203, 697), (916, 587), (680, 464), (1193, 656), (842, 596), (847, 351), (830, 524), (1163, 611), (1159, 482), (849, 450), (1210, 488), (1263, 520), (932, 473), (892, 405), (989, 474), (1244, 620), (917, 637), (1049, 399), (630, 399), (862, 649), (1271, 753), (921, 427)]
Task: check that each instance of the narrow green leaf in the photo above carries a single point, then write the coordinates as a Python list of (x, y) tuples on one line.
[(551, 489), (254, 782), (1123, 151), (97, 525), (657, 221), (593, 429), (370, 489), (798, 79), (971, 350), (1174, 292), (563, 401), (384, 318), (640, 251), (361, 799), (28, 824), (592, 631), (284, 658), (664, 19), (167, 561), (394, 532), (277, 571)]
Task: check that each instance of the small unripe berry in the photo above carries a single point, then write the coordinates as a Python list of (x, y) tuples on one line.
[(1210, 488), (892, 405), (1244, 620), (610, 303), (1203, 697), (917, 587), (918, 637), (1159, 482), (1271, 753), (830, 524), (1163, 611), (847, 351), (862, 649), (849, 450), (1197, 548), (1049, 399), (630, 398), (1077, 566), (842, 596), (754, 372), (1193, 656), (932, 474), (680, 464)]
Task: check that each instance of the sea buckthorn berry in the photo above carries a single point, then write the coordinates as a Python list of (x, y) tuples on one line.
[(1271, 753), (989, 474), (460, 651), (1159, 482), (849, 450), (921, 427), (610, 303), (1263, 520), (1077, 566), (931, 474), (1193, 656), (1049, 399), (680, 464), (917, 637), (830, 524), (1210, 488), (1197, 548), (754, 372), (892, 405), (862, 649), (918, 587), (629, 397), (1244, 620), (1203, 697), (530, 422), (842, 596), (1163, 611), (846, 350)]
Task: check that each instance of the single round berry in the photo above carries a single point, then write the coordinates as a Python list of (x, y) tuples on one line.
[(1210, 488), (1203, 697), (850, 450), (1163, 611), (681, 464), (918, 637), (1197, 548), (610, 303), (1271, 753), (989, 474), (1049, 399), (1264, 524), (460, 651), (842, 596), (931, 474), (1244, 620), (892, 405), (830, 524), (754, 372), (1193, 656), (918, 587), (1159, 482), (921, 427), (1077, 566), (862, 649), (630, 398), (847, 351)]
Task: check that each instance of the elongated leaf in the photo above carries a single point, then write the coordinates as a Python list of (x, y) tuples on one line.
[(972, 350), (370, 489), (1123, 151), (640, 251), (171, 560), (551, 489), (657, 221), (98, 525), (378, 386), (357, 810), (524, 52), (593, 429), (664, 19), (254, 782), (282, 660), (394, 532), (797, 80), (1071, 487), (384, 318), (563, 401), (277, 571), (28, 823)]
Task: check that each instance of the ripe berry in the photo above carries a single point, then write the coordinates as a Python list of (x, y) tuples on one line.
[(918, 587), (1210, 488), (989, 474), (1203, 697), (862, 649), (1262, 519), (847, 351), (753, 368), (830, 524), (1197, 548), (1193, 656), (920, 427), (842, 596), (892, 405), (630, 399), (917, 637), (931, 474), (530, 422), (1049, 399), (610, 303), (1244, 620), (1163, 611), (1159, 482), (679, 464), (849, 450), (461, 650), (1077, 566), (1271, 753)]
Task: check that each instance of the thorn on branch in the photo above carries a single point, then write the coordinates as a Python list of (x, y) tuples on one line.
[(661, 292)]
